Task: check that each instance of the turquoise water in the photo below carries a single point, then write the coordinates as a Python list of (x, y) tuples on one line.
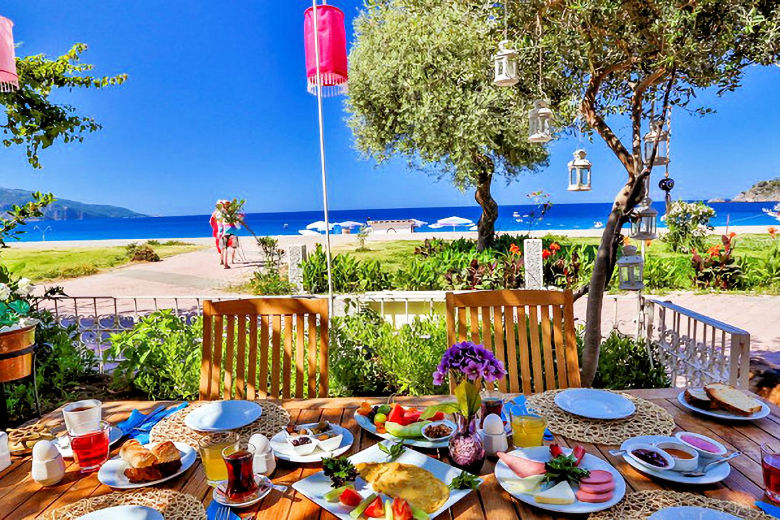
[(561, 216)]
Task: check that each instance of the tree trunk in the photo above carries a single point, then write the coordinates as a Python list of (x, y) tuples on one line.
[(486, 226)]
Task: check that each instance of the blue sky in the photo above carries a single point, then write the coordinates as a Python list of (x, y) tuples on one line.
[(216, 107)]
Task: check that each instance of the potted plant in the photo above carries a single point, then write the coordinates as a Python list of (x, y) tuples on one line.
[(17, 328)]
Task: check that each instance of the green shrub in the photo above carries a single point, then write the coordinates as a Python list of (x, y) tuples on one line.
[(141, 253), (768, 268), (717, 269), (688, 224), (270, 282), (624, 363), (349, 274), (161, 356), (354, 366), (667, 273)]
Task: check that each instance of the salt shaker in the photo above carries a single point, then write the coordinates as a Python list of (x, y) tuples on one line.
[(264, 461), (5, 454), (48, 466)]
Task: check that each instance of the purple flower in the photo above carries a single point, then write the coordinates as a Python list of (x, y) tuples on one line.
[(470, 361)]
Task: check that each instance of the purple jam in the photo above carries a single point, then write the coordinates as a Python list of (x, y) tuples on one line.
[(650, 457), (700, 443)]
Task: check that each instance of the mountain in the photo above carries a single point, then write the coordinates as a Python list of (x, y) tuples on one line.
[(64, 209), (762, 191)]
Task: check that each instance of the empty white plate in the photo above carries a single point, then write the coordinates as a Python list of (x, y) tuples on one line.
[(223, 415), (691, 513), (594, 404), (125, 513)]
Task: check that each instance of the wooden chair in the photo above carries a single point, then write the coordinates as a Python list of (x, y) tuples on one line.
[(516, 326), (242, 348)]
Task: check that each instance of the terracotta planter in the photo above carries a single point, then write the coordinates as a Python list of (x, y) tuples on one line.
[(16, 353)]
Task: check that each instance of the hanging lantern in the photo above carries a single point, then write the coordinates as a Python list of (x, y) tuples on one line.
[(540, 122), (579, 172), (505, 74), (9, 80), (631, 269), (662, 154), (332, 44), (643, 225)]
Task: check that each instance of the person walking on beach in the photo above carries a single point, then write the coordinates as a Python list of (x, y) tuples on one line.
[(225, 221), (228, 243)]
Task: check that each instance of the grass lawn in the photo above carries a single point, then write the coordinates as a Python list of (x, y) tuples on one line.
[(40, 265), (393, 254)]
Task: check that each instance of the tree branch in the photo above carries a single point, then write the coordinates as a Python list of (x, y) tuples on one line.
[(636, 116)]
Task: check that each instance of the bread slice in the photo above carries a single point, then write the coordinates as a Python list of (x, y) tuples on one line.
[(733, 400), (698, 397)]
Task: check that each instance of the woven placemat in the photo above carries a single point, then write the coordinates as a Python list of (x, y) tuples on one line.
[(649, 419), (641, 504), (173, 505), (273, 420)]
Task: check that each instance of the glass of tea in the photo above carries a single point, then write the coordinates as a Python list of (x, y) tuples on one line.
[(82, 416), (240, 476), (770, 463), (492, 402), (90, 449), (210, 448)]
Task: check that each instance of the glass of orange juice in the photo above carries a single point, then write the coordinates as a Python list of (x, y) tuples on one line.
[(527, 430), (210, 448)]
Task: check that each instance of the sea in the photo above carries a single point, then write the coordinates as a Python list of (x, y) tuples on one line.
[(511, 218)]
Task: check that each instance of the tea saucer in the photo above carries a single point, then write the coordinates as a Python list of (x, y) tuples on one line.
[(264, 487)]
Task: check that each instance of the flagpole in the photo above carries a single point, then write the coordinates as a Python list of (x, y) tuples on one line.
[(322, 156)]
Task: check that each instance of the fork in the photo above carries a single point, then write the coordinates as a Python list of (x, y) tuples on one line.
[(223, 513), (711, 464)]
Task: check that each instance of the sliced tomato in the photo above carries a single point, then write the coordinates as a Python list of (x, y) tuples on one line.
[(401, 510), (375, 509), (555, 450), (350, 497), (438, 416), (396, 414), (579, 453)]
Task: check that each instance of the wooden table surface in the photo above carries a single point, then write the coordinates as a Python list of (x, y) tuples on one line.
[(21, 497)]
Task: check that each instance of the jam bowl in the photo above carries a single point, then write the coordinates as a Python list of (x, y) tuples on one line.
[(650, 457), (685, 457), (707, 447)]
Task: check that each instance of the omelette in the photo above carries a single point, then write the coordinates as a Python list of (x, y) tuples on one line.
[(415, 485)]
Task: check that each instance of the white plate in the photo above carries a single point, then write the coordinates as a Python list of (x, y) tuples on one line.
[(715, 474), (63, 442), (112, 473), (723, 414), (223, 415), (124, 512), (690, 513), (284, 451), (420, 442), (315, 486), (542, 454), (594, 404), (265, 487)]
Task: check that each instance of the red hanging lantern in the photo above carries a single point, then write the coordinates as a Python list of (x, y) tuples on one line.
[(333, 50), (9, 80)]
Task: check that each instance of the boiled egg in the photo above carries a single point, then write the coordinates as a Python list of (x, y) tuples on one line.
[(493, 425)]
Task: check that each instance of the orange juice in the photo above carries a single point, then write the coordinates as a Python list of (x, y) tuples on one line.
[(211, 457), (527, 430)]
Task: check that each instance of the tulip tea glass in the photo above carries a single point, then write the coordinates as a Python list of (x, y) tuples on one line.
[(241, 478), (770, 463)]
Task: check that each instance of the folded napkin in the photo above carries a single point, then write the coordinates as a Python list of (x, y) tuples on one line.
[(768, 508), (519, 401), (215, 508), (139, 424)]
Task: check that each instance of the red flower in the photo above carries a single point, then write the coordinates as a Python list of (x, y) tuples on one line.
[(714, 250), (554, 247), (546, 254), (732, 234), (772, 232), (514, 249)]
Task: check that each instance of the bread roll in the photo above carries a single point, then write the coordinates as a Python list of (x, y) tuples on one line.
[(136, 455), (166, 452)]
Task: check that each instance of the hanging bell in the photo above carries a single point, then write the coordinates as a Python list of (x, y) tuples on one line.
[(505, 63)]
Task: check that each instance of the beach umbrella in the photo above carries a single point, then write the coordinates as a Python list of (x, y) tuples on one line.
[(418, 223), (9, 80), (308, 233), (436, 225), (454, 221), (350, 224), (474, 228), (320, 225)]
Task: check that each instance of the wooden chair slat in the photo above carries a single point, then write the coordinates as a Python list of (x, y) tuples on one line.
[(487, 336), (536, 354), (227, 390), (299, 355), (474, 311), (276, 345), (287, 359), (251, 390), (205, 362), (216, 359), (324, 342), (522, 347), (547, 350), (312, 355), (511, 348), (265, 337), (499, 347), (241, 357), (461, 324), (560, 353), (572, 358)]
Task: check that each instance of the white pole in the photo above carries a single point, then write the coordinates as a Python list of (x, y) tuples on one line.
[(322, 156)]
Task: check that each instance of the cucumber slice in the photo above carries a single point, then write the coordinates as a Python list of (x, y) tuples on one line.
[(355, 513), (389, 510), (334, 494), (417, 513)]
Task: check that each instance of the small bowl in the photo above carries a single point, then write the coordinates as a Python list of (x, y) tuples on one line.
[(302, 449), (649, 447), (689, 464), (703, 454), (331, 443), (449, 424)]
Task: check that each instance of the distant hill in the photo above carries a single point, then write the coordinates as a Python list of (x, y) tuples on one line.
[(64, 209), (762, 191)]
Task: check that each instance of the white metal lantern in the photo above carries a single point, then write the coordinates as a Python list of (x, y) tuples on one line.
[(631, 269), (540, 122), (505, 62), (643, 225), (579, 172), (662, 154)]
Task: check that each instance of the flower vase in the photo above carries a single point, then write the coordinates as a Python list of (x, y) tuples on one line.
[(467, 451)]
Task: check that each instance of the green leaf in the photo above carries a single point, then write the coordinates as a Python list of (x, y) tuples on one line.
[(451, 407), (468, 398)]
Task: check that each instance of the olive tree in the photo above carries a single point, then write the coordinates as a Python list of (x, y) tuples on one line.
[(619, 58), (420, 87)]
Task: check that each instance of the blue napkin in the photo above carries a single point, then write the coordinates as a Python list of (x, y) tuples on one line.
[(519, 402), (768, 509), (215, 507), (138, 425)]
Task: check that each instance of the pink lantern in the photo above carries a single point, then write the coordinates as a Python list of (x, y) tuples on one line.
[(9, 80), (333, 50)]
